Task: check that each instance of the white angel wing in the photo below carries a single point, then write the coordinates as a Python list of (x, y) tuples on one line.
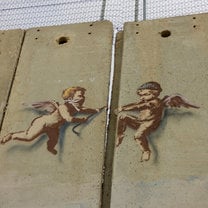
[(48, 106), (177, 101)]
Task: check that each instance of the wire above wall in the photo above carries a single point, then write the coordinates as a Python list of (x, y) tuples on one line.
[(31, 13)]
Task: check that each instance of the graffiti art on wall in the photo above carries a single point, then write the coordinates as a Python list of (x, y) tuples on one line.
[(56, 115), (150, 114)]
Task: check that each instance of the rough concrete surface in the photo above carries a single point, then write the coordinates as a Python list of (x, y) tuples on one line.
[(53, 59), (10, 46), (176, 174)]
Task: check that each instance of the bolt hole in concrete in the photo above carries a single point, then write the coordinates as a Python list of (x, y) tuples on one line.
[(91, 25), (62, 40), (194, 17), (165, 33), (89, 33), (137, 33), (194, 26), (137, 24), (38, 30)]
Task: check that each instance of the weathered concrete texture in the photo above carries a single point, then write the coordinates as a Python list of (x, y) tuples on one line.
[(176, 174), (53, 59), (10, 46)]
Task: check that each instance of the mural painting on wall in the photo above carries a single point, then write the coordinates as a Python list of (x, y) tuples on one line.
[(151, 110), (57, 115)]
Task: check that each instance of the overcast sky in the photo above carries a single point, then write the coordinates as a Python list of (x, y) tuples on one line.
[(35, 13)]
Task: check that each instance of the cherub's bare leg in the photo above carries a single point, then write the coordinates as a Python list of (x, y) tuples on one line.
[(124, 121), (53, 135), (144, 146), (35, 130), (141, 138)]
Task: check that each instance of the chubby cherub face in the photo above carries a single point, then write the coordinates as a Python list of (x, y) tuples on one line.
[(79, 97), (147, 94)]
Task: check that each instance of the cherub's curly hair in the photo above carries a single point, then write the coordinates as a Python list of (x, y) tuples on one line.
[(69, 92), (151, 86)]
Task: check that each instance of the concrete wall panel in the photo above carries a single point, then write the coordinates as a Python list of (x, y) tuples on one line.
[(10, 47), (172, 52), (53, 59)]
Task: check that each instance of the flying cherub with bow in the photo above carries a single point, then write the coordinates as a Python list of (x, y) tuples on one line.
[(151, 110), (58, 114)]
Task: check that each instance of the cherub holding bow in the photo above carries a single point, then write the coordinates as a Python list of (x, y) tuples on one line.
[(150, 113), (58, 114)]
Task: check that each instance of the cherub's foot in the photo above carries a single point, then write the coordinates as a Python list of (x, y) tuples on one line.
[(6, 139), (145, 155), (53, 151), (119, 139)]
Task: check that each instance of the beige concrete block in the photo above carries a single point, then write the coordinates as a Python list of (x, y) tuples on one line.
[(172, 52), (54, 59), (10, 46)]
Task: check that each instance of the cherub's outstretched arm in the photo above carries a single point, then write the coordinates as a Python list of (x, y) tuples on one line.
[(91, 110), (129, 107), (88, 111), (65, 114)]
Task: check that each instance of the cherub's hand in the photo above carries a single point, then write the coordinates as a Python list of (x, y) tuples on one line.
[(100, 109), (83, 119), (55, 103), (79, 120), (117, 110)]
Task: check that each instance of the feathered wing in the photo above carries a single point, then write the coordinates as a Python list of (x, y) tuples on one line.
[(177, 101), (48, 106)]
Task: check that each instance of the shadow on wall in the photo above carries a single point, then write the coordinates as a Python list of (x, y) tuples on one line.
[(43, 139), (178, 114)]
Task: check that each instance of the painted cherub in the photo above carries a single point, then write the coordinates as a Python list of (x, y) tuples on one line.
[(58, 114), (151, 109)]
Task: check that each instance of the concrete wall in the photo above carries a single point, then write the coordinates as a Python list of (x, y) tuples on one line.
[(53, 59), (172, 52), (176, 174), (10, 46)]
